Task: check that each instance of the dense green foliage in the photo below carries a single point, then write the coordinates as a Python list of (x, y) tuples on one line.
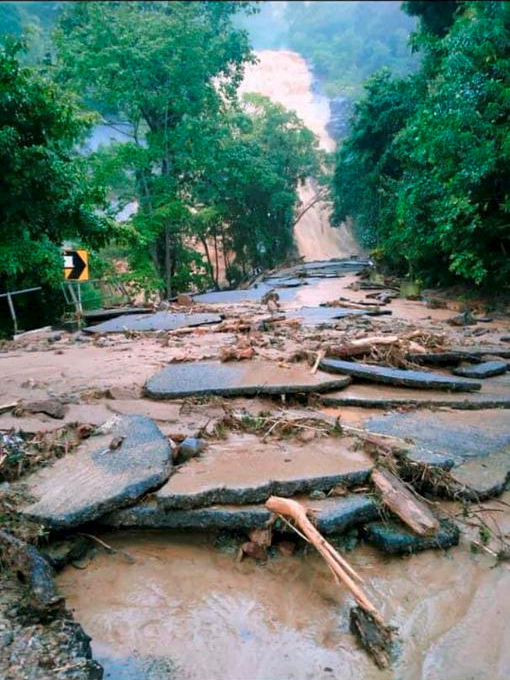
[(348, 41), (171, 71), (425, 170), (45, 195)]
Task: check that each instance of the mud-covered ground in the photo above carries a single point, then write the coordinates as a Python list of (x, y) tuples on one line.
[(181, 605)]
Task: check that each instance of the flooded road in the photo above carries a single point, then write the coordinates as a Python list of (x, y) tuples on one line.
[(285, 77), (187, 611)]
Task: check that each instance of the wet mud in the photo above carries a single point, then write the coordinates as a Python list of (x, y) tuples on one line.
[(185, 606)]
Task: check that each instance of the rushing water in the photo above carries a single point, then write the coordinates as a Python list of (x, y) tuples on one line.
[(285, 77)]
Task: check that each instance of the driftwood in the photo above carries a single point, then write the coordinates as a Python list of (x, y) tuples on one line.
[(360, 346), (374, 635), (31, 567), (341, 568), (377, 640), (401, 501)]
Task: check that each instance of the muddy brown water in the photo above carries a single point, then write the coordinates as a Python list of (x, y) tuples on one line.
[(187, 611)]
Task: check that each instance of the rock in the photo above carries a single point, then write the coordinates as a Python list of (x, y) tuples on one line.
[(395, 538), (333, 516), (392, 376), (127, 393), (26, 560), (184, 300), (63, 552), (286, 548), (189, 448), (51, 407), (487, 369), (205, 378), (159, 321), (83, 485), (254, 550), (244, 469)]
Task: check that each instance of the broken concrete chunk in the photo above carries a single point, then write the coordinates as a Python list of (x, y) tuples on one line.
[(487, 369), (244, 469), (393, 376), (84, 485), (204, 378), (189, 448), (333, 516), (395, 538), (159, 321), (483, 477)]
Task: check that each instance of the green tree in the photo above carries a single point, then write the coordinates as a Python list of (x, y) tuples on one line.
[(169, 69), (45, 192), (347, 42), (438, 199)]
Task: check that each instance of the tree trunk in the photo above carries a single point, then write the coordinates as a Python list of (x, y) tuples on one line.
[(168, 262)]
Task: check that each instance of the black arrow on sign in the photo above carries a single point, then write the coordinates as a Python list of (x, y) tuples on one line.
[(78, 265)]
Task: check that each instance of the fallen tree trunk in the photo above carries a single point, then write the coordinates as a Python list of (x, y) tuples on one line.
[(360, 346), (401, 501)]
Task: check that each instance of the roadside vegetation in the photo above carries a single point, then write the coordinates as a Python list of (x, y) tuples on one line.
[(425, 168)]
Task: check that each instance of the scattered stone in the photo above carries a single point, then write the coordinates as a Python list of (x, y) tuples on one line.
[(483, 477), (63, 552), (51, 407), (125, 393), (190, 448), (83, 485), (392, 376), (286, 548), (396, 538), (204, 378), (317, 495), (488, 369), (184, 300), (254, 550), (36, 573)]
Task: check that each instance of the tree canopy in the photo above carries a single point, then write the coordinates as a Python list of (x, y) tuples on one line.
[(45, 193), (432, 155)]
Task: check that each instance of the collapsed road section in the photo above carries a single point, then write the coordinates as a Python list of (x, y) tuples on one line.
[(188, 485)]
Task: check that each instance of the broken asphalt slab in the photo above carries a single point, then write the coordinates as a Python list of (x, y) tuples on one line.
[(494, 393), (395, 538), (243, 469), (393, 376), (487, 369), (317, 316), (82, 486), (248, 378), (147, 323), (478, 443), (454, 355), (333, 516)]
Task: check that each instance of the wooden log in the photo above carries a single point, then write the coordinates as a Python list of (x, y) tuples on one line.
[(403, 503), (378, 641)]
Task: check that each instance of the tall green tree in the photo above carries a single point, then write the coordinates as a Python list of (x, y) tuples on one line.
[(45, 192), (443, 212), (169, 69)]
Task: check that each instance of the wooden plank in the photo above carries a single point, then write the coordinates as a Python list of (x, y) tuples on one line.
[(401, 501)]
